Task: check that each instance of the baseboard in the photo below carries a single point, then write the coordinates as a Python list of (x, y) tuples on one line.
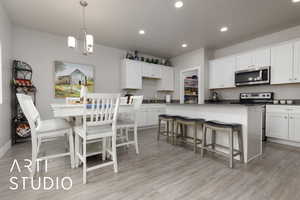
[(5, 148), (285, 142)]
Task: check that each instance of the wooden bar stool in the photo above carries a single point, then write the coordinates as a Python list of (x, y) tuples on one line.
[(169, 119), (230, 129), (183, 123)]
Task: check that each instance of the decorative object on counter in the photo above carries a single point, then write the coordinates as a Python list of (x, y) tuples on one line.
[(69, 76), (275, 101), (282, 101), (214, 97), (168, 98), (290, 102), (22, 75)]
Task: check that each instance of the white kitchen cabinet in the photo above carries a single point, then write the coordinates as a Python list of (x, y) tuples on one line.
[(166, 83), (294, 127), (296, 61), (261, 57), (221, 73), (131, 74), (148, 114), (243, 61), (151, 70), (283, 122), (256, 58), (282, 63), (277, 125)]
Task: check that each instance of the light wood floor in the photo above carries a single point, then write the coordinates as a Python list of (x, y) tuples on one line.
[(163, 171)]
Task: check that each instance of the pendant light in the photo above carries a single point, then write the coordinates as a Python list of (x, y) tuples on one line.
[(88, 39)]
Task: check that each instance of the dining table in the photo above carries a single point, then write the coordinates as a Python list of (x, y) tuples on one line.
[(76, 111)]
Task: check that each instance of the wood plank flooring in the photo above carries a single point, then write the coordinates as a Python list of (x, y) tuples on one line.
[(163, 171)]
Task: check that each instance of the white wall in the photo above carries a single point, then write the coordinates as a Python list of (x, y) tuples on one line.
[(40, 50), (5, 39), (290, 91), (192, 59)]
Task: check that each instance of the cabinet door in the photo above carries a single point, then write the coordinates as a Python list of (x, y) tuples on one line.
[(131, 75), (215, 76), (156, 71), (244, 61), (282, 63), (261, 57), (166, 83), (227, 70), (294, 125), (277, 125), (296, 76)]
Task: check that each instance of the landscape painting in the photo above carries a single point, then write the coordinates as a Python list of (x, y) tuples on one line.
[(70, 76)]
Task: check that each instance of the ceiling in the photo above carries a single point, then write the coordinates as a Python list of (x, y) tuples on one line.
[(116, 23)]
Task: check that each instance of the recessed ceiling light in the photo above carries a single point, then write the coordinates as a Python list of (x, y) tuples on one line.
[(184, 45), (142, 32), (178, 4), (295, 1), (224, 29)]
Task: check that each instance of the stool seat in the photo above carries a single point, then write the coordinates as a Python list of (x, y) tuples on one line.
[(194, 120), (165, 116), (220, 124)]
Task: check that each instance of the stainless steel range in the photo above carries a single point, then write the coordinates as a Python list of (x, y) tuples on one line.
[(261, 98)]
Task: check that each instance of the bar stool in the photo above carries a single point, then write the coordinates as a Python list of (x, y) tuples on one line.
[(183, 123), (230, 129), (169, 119)]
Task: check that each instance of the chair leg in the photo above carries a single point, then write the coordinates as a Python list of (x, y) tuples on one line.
[(241, 145), (158, 132), (104, 149), (213, 139), (71, 148), (168, 131), (84, 161), (176, 132), (195, 138), (114, 153), (76, 150), (203, 146), (127, 138), (136, 140), (231, 149)]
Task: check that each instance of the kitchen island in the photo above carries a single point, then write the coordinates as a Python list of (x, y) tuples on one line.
[(249, 116)]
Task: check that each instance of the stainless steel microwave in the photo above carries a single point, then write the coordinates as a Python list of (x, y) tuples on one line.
[(253, 76)]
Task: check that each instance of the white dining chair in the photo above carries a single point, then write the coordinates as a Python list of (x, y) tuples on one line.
[(45, 131), (128, 123), (99, 122)]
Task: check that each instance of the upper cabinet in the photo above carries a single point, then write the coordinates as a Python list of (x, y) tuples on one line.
[(221, 73), (131, 74), (133, 71), (282, 63), (259, 57), (166, 83), (151, 70), (297, 61)]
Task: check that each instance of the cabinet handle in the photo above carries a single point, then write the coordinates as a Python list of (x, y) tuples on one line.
[(291, 117)]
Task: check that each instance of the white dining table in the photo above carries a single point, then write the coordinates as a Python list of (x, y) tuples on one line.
[(65, 110)]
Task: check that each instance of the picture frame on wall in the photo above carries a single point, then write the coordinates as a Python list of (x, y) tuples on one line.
[(70, 76)]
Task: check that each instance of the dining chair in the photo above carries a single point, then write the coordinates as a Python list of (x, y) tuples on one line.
[(129, 122), (99, 123), (45, 131)]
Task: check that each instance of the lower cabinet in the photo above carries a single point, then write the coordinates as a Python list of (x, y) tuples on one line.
[(283, 122), (148, 115)]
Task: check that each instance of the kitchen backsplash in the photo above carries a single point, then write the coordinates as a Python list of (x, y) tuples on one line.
[(288, 91)]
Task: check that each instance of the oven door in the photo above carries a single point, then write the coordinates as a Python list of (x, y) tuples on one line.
[(252, 76)]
